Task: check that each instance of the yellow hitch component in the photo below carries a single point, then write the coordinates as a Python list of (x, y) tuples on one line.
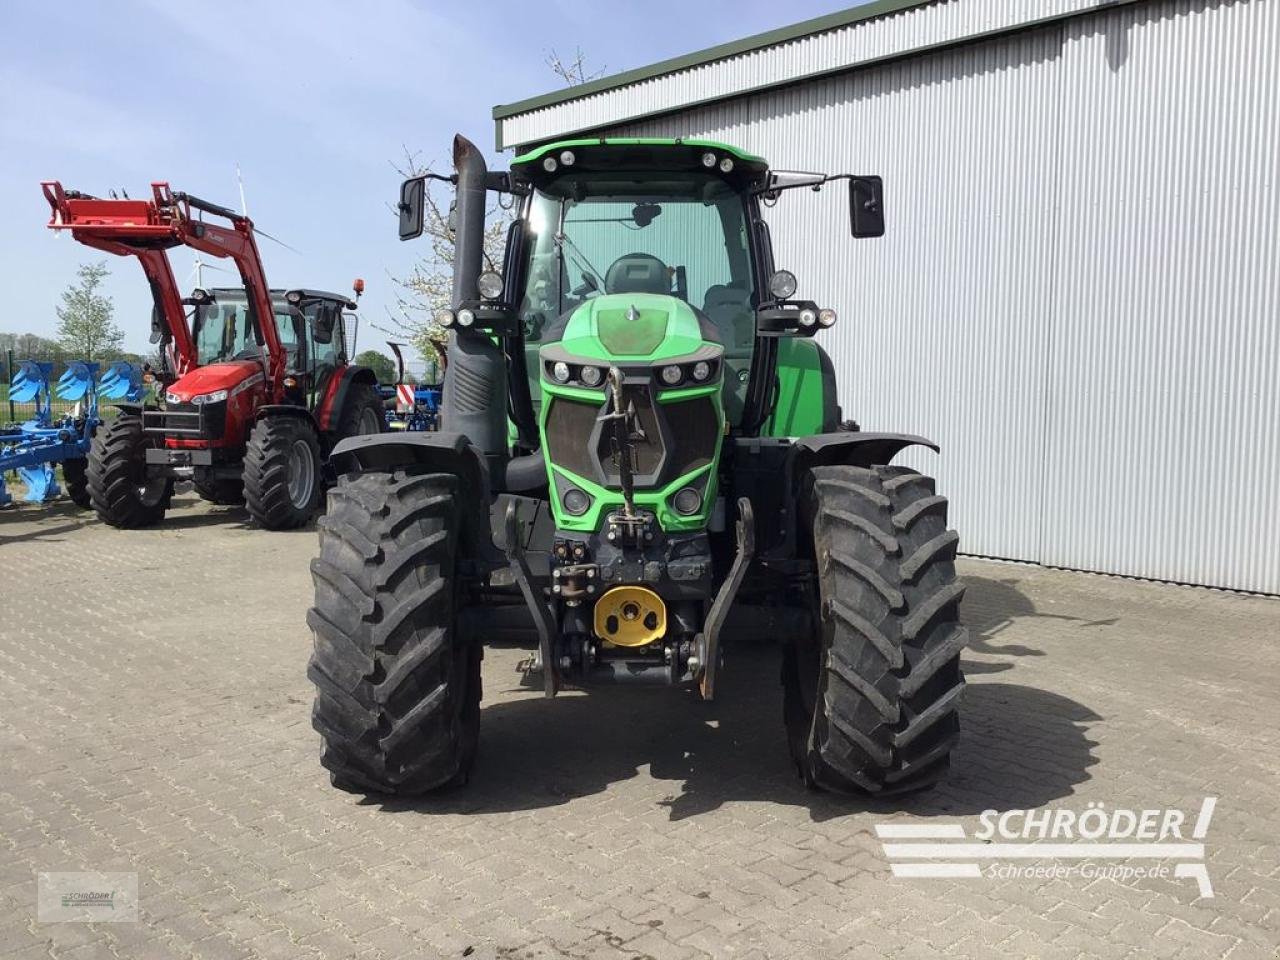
[(630, 617)]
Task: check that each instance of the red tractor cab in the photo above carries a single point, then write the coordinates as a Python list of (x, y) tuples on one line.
[(259, 387)]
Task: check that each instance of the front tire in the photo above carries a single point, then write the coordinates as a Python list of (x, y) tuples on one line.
[(282, 472), (75, 475), (870, 700), (120, 489), (397, 685)]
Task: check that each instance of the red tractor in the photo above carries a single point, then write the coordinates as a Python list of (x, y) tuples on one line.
[(258, 388)]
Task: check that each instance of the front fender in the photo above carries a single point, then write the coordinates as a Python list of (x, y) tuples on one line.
[(435, 452), (852, 448)]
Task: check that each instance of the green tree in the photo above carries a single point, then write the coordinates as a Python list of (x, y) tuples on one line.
[(383, 367), (85, 320)]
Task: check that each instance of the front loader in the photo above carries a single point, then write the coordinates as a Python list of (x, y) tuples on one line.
[(641, 457), (256, 384)]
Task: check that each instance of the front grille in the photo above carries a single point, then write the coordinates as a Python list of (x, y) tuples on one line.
[(677, 438), (568, 435), (205, 421), (647, 447), (695, 435)]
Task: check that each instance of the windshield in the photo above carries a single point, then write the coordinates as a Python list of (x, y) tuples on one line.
[(223, 331), (678, 234)]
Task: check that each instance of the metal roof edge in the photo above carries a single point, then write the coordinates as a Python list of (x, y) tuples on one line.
[(1096, 6), (822, 24)]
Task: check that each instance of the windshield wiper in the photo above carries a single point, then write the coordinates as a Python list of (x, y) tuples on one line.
[(562, 240)]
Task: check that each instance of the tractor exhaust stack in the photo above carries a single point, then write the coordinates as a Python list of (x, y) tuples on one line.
[(475, 392)]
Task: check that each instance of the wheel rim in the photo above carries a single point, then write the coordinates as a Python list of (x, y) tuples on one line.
[(302, 474), (369, 421), (151, 490)]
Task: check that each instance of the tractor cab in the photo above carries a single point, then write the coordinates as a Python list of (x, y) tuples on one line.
[(311, 326)]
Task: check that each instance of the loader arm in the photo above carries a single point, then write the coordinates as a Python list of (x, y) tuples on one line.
[(147, 229), (130, 228)]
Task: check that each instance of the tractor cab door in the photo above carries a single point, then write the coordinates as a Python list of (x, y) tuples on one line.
[(324, 345)]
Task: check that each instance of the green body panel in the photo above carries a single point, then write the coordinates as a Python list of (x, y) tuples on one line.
[(539, 152), (600, 330), (666, 328), (801, 406)]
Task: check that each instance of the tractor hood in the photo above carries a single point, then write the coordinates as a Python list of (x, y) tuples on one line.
[(216, 376), (642, 326)]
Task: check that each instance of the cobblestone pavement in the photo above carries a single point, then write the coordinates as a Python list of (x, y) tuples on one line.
[(154, 718)]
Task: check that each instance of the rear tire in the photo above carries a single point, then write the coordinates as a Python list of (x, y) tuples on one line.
[(75, 475), (282, 472), (364, 414), (870, 701), (226, 493), (397, 685), (121, 492)]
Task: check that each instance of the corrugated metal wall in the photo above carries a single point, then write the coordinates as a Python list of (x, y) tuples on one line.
[(1078, 293), (927, 26)]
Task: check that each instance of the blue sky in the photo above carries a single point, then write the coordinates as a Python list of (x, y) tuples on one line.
[(314, 101)]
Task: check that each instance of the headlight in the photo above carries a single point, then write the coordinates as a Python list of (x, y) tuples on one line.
[(591, 376), (560, 371), (489, 284), (701, 370), (782, 284), (217, 396), (445, 318), (575, 501), (808, 317), (687, 501), (466, 318), (671, 374), (172, 397), (827, 317)]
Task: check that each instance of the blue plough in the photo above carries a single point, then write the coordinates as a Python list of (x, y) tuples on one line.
[(34, 447)]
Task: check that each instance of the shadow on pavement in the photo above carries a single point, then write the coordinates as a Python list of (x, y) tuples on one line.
[(1020, 747)]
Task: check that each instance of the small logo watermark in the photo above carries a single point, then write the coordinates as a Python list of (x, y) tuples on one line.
[(87, 896), (1060, 843)]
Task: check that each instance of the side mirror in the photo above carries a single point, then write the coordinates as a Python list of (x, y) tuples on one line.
[(157, 331), (412, 200), (452, 223), (324, 323), (866, 206)]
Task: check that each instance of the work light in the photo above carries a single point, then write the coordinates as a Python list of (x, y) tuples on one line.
[(466, 317), (782, 284), (489, 284)]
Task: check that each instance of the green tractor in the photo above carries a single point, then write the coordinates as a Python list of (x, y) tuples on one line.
[(642, 458)]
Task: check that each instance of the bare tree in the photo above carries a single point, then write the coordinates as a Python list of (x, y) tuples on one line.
[(572, 70), (429, 285)]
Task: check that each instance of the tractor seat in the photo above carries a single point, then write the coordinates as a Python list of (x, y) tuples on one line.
[(638, 273)]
